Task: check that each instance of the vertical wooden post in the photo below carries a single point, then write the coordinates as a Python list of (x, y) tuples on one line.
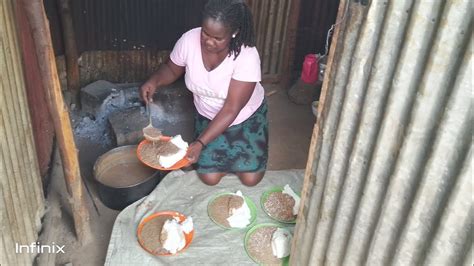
[(70, 47), (302, 223), (289, 53), (59, 113)]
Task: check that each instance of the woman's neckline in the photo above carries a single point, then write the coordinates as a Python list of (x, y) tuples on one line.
[(204, 64)]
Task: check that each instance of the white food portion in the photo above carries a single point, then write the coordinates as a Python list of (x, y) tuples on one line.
[(240, 217), (175, 240), (287, 190), (170, 160), (281, 243), (175, 231), (187, 225)]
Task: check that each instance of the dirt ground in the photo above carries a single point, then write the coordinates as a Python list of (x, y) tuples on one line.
[(290, 131)]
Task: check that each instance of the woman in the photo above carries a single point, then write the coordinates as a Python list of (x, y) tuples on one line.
[(222, 69)]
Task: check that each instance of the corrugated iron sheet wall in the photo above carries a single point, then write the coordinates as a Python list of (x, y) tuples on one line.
[(21, 196), (117, 66), (103, 25), (270, 21), (123, 40), (143, 30), (389, 176)]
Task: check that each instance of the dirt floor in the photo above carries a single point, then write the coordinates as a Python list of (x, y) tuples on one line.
[(291, 127)]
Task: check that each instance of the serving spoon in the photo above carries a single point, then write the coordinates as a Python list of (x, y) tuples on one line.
[(150, 132)]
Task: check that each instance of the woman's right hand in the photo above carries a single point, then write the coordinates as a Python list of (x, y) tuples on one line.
[(193, 152), (165, 75), (147, 90)]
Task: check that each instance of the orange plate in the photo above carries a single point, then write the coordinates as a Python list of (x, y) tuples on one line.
[(178, 165), (188, 237)]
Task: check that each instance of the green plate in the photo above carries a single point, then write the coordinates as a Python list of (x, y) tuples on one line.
[(250, 203), (285, 260), (264, 198)]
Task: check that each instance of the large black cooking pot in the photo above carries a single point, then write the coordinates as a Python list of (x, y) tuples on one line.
[(122, 178)]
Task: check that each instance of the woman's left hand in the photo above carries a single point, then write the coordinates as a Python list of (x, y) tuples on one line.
[(194, 151)]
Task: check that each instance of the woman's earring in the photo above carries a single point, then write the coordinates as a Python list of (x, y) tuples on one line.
[(233, 35)]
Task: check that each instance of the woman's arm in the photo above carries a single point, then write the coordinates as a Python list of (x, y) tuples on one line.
[(166, 74), (238, 96)]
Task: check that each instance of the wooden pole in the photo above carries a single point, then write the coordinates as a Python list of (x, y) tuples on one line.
[(59, 113), (316, 139), (289, 52), (70, 48)]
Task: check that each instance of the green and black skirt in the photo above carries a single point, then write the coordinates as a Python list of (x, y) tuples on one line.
[(241, 148)]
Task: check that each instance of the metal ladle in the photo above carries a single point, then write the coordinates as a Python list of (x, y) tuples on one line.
[(150, 132)]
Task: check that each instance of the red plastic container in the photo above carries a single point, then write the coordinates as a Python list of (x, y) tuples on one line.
[(310, 71)]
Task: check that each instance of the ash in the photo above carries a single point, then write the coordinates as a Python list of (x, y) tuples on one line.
[(96, 129)]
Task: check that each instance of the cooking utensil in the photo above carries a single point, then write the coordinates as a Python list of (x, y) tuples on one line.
[(150, 132)]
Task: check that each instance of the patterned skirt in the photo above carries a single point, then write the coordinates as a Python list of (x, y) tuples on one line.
[(241, 148)]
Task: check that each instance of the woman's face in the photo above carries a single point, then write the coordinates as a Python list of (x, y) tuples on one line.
[(215, 37)]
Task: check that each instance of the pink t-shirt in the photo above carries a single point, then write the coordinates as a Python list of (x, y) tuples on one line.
[(210, 87)]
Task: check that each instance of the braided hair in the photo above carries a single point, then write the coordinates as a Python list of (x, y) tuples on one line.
[(235, 15)]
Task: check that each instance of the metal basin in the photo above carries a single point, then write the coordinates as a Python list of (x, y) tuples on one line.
[(122, 178)]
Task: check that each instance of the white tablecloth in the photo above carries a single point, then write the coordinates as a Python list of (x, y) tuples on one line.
[(185, 193)]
